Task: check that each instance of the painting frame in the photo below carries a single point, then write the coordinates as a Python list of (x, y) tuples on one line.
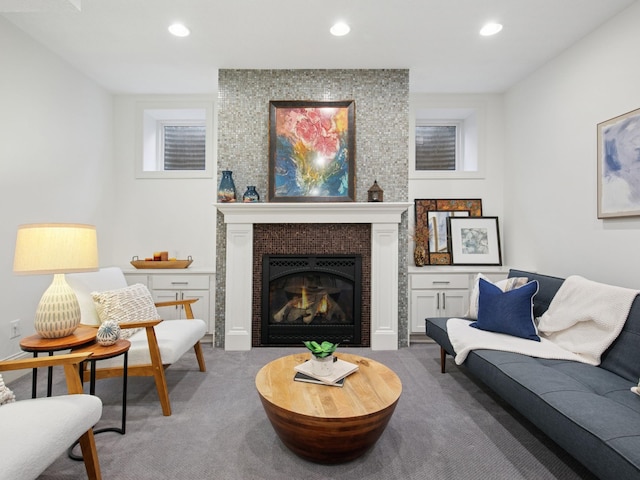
[(618, 180), (474, 241), (423, 210), (312, 151)]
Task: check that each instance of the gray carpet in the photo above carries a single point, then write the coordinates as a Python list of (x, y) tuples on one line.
[(444, 427)]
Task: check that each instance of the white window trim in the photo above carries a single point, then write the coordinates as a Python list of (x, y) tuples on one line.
[(446, 109), (153, 145)]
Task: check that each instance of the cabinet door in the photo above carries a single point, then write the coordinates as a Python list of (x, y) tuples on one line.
[(167, 313), (424, 304), (201, 307), (453, 303)]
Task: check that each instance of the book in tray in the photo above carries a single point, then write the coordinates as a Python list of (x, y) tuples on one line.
[(341, 369)]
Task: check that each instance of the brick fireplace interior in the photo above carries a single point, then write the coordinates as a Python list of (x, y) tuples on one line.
[(311, 239)]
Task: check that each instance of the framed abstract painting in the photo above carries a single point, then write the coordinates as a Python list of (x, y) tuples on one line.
[(311, 151), (618, 172)]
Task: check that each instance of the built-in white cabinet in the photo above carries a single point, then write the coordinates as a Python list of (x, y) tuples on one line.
[(179, 284), (437, 292)]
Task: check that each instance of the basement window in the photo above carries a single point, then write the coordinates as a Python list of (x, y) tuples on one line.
[(175, 142), (447, 142), (181, 145), (438, 146)]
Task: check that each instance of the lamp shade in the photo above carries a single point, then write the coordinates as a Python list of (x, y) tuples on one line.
[(55, 248)]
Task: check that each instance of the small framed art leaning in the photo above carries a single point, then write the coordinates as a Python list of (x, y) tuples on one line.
[(474, 240), (311, 151), (431, 224)]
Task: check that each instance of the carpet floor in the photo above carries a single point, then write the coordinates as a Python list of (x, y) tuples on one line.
[(446, 426)]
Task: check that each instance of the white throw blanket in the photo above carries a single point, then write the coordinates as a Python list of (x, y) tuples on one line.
[(584, 318)]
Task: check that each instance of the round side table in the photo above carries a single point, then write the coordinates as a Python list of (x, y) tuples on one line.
[(99, 352), (36, 344)]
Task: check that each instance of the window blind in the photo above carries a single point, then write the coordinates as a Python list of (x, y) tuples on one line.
[(184, 147), (436, 147)]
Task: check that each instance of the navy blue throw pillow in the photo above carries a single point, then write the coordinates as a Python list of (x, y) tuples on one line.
[(507, 312)]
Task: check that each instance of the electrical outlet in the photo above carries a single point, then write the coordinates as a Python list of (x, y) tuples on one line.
[(15, 328)]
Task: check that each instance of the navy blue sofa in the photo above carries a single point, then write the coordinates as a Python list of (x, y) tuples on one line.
[(589, 411)]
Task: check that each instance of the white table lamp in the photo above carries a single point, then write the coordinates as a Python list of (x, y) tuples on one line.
[(56, 248)]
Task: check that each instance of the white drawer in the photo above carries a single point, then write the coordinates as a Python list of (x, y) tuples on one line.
[(434, 281), (180, 282)]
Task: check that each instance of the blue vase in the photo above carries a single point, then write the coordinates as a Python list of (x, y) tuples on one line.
[(251, 195), (227, 188)]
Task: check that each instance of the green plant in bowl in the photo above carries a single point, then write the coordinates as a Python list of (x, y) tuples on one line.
[(321, 350)]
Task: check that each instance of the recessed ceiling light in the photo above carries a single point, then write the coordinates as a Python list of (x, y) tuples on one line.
[(179, 30), (490, 29), (340, 29)]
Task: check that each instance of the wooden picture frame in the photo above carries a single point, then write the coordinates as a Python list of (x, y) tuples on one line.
[(618, 177), (474, 241), (311, 151), (430, 224)]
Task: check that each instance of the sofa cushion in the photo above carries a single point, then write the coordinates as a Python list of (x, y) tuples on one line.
[(505, 285), (623, 356), (129, 304), (507, 312)]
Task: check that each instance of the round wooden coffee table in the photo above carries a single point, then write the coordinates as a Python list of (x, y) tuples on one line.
[(327, 424)]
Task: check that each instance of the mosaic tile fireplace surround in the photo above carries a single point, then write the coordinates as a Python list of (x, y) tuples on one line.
[(367, 229)]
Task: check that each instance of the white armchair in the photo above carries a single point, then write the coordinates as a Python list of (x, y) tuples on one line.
[(155, 346), (35, 432)]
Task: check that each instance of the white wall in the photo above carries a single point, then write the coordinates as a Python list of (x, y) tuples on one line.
[(550, 195), (55, 162), (174, 215), (489, 185)]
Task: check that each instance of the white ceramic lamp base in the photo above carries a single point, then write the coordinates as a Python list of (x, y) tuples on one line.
[(58, 313)]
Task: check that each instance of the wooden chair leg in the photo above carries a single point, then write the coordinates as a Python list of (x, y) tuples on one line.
[(198, 349), (158, 372), (90, 455), (443, 360)]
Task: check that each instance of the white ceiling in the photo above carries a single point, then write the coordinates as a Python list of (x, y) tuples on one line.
[(124, 44)]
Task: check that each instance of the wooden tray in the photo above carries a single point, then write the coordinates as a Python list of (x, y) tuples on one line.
[(161, 263)]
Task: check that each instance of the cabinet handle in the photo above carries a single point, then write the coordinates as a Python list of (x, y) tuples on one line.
[(441, 282), (177, 306), (179, 283), (438, 300), (444, 301)]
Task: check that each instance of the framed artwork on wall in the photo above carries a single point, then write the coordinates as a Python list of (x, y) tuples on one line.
[(311, 151), (431, 224), (618, 173), (474, 240)]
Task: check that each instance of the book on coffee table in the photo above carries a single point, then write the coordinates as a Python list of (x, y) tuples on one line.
[(301, 377), (341, 369)]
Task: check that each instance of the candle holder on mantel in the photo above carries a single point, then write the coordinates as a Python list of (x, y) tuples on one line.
[(375, 193)]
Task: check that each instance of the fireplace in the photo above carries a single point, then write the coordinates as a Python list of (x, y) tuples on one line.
[(311, 297), (246, 241)]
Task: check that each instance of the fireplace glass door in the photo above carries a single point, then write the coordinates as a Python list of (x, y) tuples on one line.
[(311, 298)]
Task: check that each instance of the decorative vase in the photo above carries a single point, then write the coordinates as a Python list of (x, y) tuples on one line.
[(419, 255), (251, 195), (322, 366), (108, 333), (227, 188)]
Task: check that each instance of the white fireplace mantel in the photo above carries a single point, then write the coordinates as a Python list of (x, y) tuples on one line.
[(384, 218)]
